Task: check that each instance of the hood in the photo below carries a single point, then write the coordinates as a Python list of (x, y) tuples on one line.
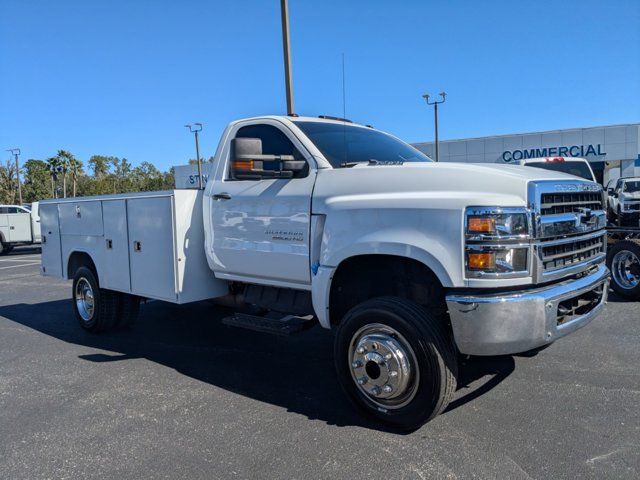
[(451, 185), (630, 195)]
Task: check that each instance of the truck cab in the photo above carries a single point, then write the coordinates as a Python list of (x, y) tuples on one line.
[(571, 165), (623, 200)]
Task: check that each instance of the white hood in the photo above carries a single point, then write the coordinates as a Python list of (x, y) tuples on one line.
[(449, 185)]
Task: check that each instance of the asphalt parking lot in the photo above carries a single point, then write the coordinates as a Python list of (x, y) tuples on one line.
[(182, 396)]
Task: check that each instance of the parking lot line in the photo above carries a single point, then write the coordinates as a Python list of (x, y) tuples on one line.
[(22, 265), (19, 259)]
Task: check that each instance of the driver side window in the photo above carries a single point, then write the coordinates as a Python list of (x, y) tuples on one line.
[(274, 142)]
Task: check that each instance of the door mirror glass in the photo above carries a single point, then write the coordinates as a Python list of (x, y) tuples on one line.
[(249, 163)]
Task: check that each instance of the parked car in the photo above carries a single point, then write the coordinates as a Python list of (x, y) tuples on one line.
[(318, 220), (578, 167), (18, 226), (623, 200)]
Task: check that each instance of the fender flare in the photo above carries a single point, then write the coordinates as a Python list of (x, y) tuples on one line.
[(322, 278)]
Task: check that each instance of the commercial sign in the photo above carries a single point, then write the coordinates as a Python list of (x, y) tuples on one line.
[(564, 151)]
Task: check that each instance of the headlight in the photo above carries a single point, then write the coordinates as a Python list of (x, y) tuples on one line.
[(497, 242), (484, 224), (498, 259)]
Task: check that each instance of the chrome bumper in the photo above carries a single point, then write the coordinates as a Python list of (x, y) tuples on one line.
[(513, 322)]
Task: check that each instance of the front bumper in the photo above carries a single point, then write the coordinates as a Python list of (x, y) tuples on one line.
[(513, 322)]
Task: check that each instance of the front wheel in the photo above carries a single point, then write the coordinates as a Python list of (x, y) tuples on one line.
[(395, 361), (623, 259)]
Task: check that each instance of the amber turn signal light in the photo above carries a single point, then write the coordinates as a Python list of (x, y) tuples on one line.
[(246, 165), (481, 225), (481, 261)]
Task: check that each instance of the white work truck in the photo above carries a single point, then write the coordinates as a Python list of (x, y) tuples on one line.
[(18, 226), (320, 220)]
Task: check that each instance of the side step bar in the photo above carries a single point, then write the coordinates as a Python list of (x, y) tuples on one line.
[(286, 325)]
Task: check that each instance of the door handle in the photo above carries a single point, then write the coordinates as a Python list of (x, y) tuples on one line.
[(222, 196)]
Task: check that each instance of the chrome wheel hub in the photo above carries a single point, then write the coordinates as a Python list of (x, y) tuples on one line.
[(625, 268), (383, 365), (83, 296)]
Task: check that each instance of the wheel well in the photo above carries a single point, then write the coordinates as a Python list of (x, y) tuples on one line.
[(367, 276), (77, 260)]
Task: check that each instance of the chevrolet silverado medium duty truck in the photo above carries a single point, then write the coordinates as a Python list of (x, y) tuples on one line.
[(316, 220)]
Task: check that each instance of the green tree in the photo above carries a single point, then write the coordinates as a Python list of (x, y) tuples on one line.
[(75, 166), (7, 182), (100, 164), (53, 164), (66, 160), (36, 179)]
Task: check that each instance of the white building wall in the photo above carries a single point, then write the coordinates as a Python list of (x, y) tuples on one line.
[(610, 144)]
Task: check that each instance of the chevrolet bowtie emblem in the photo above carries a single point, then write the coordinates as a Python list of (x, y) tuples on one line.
[(585, 215)]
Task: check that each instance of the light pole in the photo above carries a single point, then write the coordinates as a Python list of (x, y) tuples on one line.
[(16, 152), (288, 74), (195, 128), (435, 104)]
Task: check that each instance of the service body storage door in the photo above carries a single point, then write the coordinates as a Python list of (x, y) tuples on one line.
[(51, 253), (151, 247), (116, 246)]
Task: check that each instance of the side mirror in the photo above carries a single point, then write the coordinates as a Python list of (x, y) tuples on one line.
[(249, 163)]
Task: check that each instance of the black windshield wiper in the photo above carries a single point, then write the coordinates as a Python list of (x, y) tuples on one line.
[(350, 164)]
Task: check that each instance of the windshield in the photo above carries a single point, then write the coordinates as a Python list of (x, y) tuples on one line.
[(631, 186), (579, 169), (344, 145)]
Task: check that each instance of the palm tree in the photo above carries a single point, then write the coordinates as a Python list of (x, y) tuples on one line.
[(53, 165), (75, 166), (64, 158)]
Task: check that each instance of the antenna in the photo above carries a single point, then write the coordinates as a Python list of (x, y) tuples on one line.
[(344, 95), (344, 115)]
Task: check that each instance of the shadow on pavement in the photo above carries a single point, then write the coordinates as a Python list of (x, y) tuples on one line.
[(294, 372), (23, 250)]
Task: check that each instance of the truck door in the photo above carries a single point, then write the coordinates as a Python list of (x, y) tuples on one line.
[(19, 226), (261, 227)]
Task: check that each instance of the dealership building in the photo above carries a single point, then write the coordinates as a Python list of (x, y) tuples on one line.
[(613, 151)]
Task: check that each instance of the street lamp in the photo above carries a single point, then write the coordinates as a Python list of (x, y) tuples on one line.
[(195, 128), (435, 104), (16, 152)]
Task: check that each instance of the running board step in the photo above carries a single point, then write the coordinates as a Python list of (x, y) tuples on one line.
[(279, 326)]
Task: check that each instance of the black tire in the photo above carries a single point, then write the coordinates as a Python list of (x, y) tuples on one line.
[(128, 310), (434, 379), (633, 247), (3, 248), (102, 317)]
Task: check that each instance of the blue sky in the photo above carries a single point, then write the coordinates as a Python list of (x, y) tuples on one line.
[(123, 77)]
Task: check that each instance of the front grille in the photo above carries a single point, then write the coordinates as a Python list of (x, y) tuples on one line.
[(554, 203), (571, 252), (633, 206)]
